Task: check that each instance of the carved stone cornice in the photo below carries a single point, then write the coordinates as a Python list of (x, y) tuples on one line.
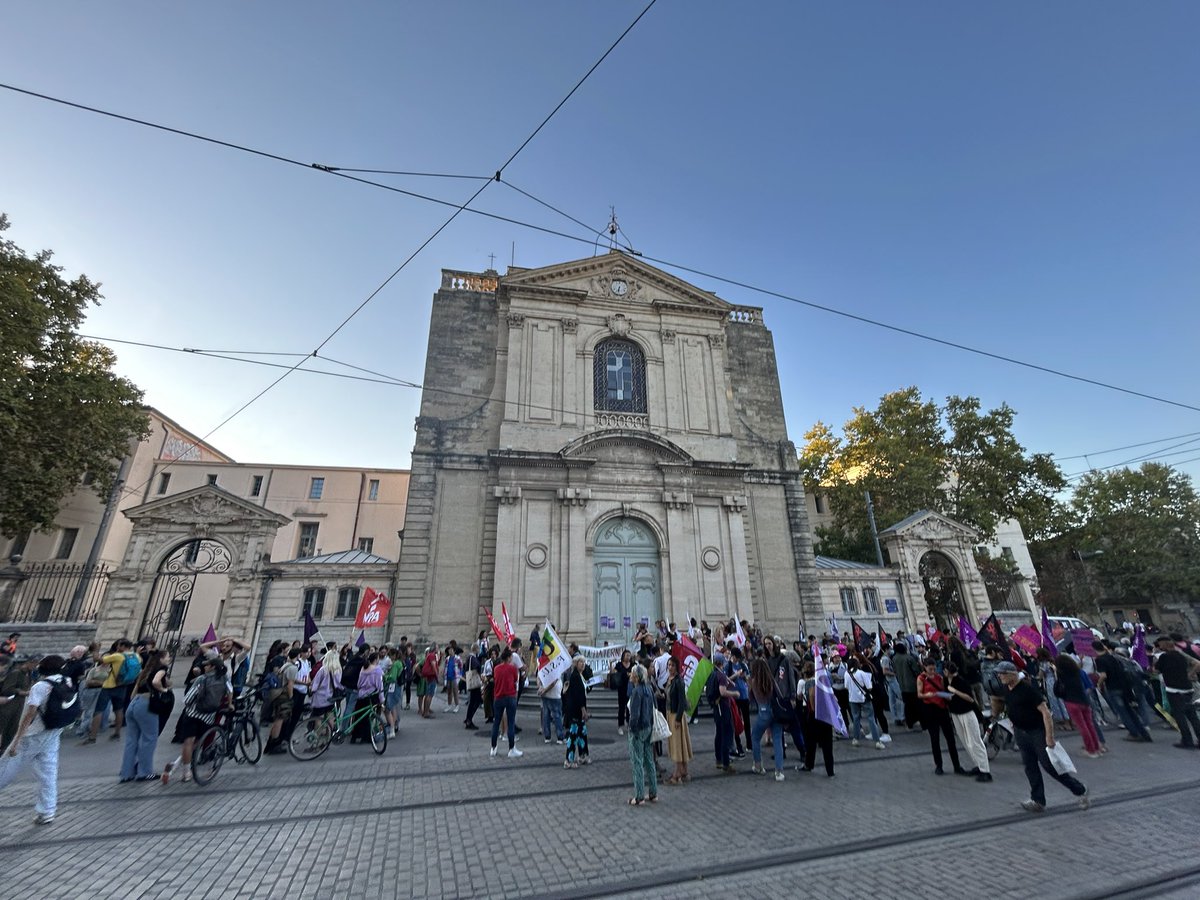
[(507, 493), (570, 326), (677, 499), (574, 496), (667, 337), (515, 320)]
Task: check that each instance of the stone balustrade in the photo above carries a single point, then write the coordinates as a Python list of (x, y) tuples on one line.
[(751, 315), (622, 420), (469, 281)]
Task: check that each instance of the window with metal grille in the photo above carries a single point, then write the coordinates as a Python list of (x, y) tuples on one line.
[(314, 602), (347, 605), (619, 377), (870, 600), (849, 600)]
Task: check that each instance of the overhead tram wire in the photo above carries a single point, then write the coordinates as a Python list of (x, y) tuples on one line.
[(1147, 457), (454, 215), (373, 376), (1174, 437), (344, 173)]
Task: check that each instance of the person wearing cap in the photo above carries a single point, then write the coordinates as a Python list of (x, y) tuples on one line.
[(1178, 672), (1033, 730)]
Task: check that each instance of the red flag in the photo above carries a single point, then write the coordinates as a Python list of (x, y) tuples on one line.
[(508, 629), (373, 610), (495, 628)]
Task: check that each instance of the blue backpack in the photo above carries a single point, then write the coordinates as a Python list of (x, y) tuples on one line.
[(131, 668)]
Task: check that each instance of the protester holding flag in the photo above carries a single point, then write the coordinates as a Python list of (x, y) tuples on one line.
[(641, 753), (820, 710)]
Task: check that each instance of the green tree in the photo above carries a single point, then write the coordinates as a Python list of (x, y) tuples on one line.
[(63, 413), (1146, 523), (912, 454)]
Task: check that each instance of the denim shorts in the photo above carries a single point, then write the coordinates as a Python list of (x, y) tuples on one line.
[(430, 688)]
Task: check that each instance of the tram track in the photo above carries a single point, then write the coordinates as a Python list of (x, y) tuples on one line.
[(757, 864), (202, 793), (1173, 880), (784, 858)]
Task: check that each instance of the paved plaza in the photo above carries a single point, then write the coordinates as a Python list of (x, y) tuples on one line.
[(437, 817)]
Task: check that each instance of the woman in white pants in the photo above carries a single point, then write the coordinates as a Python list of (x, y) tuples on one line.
[(966, 723)]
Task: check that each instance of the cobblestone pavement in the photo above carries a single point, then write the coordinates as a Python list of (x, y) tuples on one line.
[(437, 817)]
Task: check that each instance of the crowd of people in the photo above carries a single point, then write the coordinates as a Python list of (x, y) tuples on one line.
[(765, 699)]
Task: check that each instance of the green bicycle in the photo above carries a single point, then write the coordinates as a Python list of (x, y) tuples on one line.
[(313, 735)]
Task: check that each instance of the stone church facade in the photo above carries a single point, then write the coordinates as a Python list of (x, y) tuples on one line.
[(600, 443)]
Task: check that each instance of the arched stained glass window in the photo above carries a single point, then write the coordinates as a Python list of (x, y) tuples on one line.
[(619, 376)]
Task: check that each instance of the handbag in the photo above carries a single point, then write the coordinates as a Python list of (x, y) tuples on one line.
[(161, 702), (660, 730), (96, 676), (1060, 759), (781, 711)]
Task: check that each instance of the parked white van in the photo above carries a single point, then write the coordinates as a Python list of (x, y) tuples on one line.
[(1070, 623)]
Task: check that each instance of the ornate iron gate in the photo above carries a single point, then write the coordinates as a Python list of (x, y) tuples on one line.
[(171, 594)]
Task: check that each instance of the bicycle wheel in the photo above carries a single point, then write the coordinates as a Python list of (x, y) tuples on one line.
[(249, 742), (311, 738), (378, 732), (208, 755), (992, 743)]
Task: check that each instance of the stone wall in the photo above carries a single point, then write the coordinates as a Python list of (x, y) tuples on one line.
[(43, 638)]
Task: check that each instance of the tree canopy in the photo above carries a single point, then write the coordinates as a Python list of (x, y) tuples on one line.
[(913, 454), (63, 413)]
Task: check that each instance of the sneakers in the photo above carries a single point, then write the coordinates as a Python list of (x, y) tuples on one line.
[(1091, 755), (779, 776), (885, 739), (167, 770), (854, 742), (514, 753), (621, 731), (546, 741), (1085, 802), (43, 819), (391, 732), (757, 770), (1032, 806), (984, 776), (880, 745), (1182, 746), (559, 742), (493, 753), (470, 726)]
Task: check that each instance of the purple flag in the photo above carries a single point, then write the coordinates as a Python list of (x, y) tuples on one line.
[(1139, 648), (1048, 635), (210, 635), (362, 640), (311, 631), (827, 709), (967, 634), (833, 629)]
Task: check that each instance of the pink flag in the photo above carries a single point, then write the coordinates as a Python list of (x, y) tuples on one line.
[(210, 635)]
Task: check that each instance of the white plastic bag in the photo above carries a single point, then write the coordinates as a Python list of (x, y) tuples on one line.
[(661, 730), (1060, 759)]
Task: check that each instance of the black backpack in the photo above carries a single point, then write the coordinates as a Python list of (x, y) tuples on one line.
[(62, 704), (350, 673)]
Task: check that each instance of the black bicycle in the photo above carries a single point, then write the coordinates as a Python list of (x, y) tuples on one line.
[(234, 736)]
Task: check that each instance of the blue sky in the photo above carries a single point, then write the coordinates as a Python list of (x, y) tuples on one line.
[(1019, 177)]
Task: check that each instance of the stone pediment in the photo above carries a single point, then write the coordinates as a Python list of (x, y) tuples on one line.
[(928, 525), (206, 505), (623, 446), (618, 278)]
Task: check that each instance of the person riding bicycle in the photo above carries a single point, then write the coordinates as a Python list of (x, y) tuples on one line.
[(370, 693), (992, 657)]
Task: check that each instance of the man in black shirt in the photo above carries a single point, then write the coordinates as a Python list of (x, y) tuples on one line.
[(1034, 732), (1178, 672), (1117, 691)]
